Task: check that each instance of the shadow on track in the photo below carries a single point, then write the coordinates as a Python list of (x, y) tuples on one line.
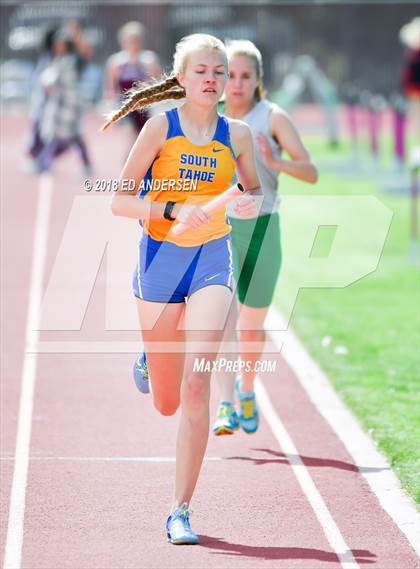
[(223, 547), (307, 461)]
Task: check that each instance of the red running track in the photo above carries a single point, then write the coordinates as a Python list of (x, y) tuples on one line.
[(95, 499)]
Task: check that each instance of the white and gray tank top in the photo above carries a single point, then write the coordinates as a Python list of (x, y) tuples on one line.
[(258, 121)]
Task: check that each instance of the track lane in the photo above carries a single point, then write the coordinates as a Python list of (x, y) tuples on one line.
[(111, 514)]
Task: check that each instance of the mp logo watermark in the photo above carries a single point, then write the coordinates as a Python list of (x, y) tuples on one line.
[(327, 241)]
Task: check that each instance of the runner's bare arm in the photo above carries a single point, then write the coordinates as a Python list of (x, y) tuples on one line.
[(284, 132), (214, 205), (243, 148), (126, 203), (147, 146)]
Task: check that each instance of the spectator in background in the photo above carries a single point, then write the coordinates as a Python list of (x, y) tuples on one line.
[(64, 55), (59, 124), (410, 79), (38, 98), (129, 66)]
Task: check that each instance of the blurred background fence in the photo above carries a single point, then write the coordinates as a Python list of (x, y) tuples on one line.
[(352, 43)]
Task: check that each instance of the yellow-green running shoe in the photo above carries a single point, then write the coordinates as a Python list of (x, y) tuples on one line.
[(227, 420), (248, 413)]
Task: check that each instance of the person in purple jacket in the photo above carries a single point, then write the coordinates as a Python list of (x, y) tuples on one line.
[(129, 66)]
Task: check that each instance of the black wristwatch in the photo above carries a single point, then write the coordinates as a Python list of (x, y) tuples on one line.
[(168, 211)]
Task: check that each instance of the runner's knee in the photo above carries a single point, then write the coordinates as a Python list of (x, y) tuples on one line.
[(166, 407), (196, 390)]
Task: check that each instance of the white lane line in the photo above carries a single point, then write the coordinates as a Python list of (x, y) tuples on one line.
[(331, 530), (14, 539), (127, 347), (119, 458), (87, 347), (373, 466)]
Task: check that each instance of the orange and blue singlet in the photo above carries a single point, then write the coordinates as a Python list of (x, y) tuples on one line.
[(171, 267)]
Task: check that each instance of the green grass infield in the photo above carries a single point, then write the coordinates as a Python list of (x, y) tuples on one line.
[(365, 335)]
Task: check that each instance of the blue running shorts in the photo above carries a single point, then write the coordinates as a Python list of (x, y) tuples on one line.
[(166, 272)]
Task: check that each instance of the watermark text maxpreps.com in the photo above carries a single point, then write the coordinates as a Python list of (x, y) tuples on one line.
[(234, 366)]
